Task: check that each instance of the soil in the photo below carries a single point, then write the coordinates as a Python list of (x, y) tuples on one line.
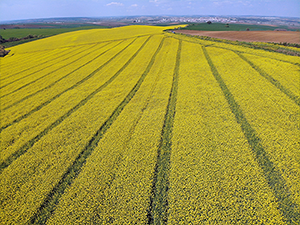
[(250, 36)]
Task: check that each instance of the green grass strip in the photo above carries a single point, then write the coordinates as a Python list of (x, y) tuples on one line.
[(31, 142), (289, 210), (273, 81), (158, 210), (48, 207)]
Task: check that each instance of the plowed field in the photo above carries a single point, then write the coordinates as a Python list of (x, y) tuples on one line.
[(250, 36)]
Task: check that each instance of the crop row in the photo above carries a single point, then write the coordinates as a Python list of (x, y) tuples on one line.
[(270, 132), (153, 129), (29, 129), (25, 104), (282, 75), (19, 79), (119, 172), (40, 77), (10, 68), (47, 160), (214, 175)]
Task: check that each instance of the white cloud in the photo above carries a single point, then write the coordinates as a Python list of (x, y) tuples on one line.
[(156, 2), (134, 5), (222, 3), (115, 4), (245, 3)]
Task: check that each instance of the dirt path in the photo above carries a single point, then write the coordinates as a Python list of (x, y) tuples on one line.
[(250, 36)]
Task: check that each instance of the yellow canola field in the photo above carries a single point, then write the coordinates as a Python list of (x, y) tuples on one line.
[(28, 81), (15, 136), (87, 123), (115, 184), (272, 115), (27, 61), (259, 52), (84, 37), (214, 175), (28, 180), (27, 99), (33, 70), (286, 73)]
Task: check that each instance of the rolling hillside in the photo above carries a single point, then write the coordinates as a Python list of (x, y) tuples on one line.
[(135, 125)]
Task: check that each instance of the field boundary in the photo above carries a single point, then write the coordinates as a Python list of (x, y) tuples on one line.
[(89, 43), (289, 210), (46, 209), (271, 47), (177, 36), (273, 81), (158, 209), (31, 142)]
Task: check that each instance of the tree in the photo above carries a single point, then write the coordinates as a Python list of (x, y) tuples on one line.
[(3, 52), (2, 40)]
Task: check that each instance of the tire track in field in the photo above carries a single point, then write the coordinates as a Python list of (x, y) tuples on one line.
[(30, 74), (273, 81), (55, 82), (47, 74), (13, 63), (54, 64), (261, 55), (268, 57), (48, 206), (31, 142), (158, 208), (94, 43), (58, 95), (42, 52), (290, 210), (120, 157)]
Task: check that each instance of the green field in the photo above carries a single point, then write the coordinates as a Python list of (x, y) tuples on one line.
[(231, 27)]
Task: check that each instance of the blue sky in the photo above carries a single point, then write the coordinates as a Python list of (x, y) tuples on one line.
[(30, 9)]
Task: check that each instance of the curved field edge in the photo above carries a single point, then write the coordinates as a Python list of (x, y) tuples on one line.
[(83, 37)]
